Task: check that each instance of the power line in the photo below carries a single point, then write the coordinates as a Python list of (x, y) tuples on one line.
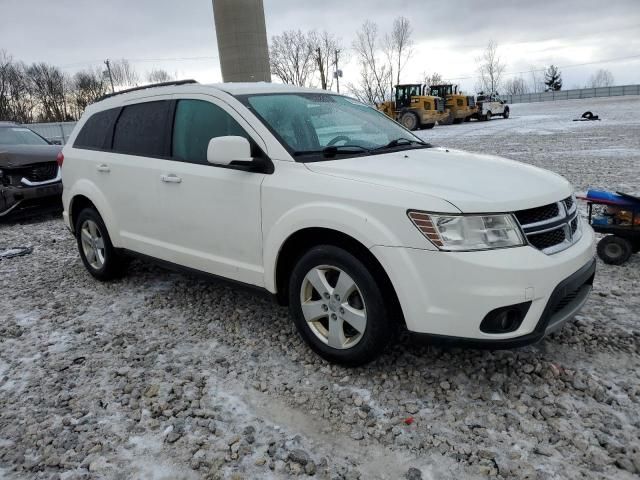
[(141, 60)]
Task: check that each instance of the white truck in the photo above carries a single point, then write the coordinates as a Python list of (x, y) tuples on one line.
[(490, 106)]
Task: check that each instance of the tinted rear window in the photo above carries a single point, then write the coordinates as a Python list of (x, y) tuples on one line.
[(142, 129), (94, 132)]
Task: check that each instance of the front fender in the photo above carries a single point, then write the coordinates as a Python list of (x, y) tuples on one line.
[(349, 220)]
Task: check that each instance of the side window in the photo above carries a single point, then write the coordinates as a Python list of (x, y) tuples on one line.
[(142, 129), (196, 122), (94, 132)]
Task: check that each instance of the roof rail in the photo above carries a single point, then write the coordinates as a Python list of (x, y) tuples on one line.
[(144, 87)]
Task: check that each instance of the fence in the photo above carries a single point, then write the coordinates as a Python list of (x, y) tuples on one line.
[(58, 132), (573, 94)]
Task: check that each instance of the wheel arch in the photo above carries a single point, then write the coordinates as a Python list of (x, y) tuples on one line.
[(302, 240), (86, 194)]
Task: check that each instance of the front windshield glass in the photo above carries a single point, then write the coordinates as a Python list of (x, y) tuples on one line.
[(311, 124), (20, 136)]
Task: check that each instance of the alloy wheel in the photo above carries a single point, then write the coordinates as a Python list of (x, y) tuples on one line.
[(92, 244), (333, 306)]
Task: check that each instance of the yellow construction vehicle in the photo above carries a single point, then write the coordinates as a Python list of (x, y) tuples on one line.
[(413, 108), (460, 107)]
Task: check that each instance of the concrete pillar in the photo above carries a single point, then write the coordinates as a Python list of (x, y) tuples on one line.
[(242, 40)]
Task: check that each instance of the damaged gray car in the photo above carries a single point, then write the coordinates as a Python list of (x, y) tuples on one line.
[(30, 175)]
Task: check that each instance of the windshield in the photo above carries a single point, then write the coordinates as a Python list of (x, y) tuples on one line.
[(314, 125), (20, 136)]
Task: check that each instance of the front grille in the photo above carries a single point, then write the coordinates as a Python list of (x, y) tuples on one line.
[(40, 172), (538, 214), (569, 203), (551, 228), (574, 225), (547, 239)]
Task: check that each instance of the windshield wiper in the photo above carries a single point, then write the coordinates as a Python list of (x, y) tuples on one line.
[(333, 150), (403, 141)]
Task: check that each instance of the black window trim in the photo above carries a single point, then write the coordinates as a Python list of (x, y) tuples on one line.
[(263, 163)]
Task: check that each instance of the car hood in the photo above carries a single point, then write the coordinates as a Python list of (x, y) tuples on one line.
[(12, 156), (474, 183)]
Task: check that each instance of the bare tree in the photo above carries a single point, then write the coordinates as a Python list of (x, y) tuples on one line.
[(292, 58), (516, 86), (326, 47), (124, 74), (6, 64), (602, 78), (375, 74), (88, 86), (398, 48), (537, 80), (158, 75), (491, 69), (432, 79), (49, 90)]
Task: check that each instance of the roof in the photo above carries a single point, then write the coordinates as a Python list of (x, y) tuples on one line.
[(261, 87), (118, 99)]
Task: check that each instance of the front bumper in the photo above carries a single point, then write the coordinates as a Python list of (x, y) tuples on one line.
[(448, 294), (25, 199)]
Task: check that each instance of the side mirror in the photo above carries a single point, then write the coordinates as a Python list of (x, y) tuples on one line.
[(225, 150)]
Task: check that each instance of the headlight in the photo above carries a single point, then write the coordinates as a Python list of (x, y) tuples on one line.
[(468, 232)]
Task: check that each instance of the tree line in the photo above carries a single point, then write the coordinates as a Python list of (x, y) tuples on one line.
[(308, 58), (41, 92)]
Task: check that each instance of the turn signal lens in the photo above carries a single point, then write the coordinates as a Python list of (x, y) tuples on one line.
[(60, 159)]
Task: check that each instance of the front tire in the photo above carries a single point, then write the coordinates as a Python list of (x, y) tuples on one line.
[(338, 306), (614, 250), (410, 121), (506, 113), (99, 256), (487, 117)]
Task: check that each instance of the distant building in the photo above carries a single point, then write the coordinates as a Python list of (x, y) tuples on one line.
[(242, 40)]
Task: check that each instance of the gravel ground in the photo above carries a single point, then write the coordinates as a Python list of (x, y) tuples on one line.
[(166, 376)]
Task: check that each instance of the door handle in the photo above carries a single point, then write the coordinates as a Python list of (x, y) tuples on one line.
[(170, 178), (103, 168)]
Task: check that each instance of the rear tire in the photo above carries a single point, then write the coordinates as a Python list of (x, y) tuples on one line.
[(458, 121), (614, 250), (338, 306), (487, 117), (99, 256)]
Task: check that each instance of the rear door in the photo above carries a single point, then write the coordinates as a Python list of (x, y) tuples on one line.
[(141, 142)]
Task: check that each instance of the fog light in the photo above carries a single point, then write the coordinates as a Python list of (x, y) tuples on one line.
[(505, 319)]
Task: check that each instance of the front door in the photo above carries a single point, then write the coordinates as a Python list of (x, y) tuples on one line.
[(213, 215)]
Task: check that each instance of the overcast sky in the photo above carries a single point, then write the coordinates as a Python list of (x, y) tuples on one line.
[(448, 35)]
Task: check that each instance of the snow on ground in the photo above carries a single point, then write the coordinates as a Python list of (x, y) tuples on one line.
[(166, 376)]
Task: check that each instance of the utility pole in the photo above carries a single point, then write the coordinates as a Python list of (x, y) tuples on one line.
[(338, 72), (106, 62), (323, 78)]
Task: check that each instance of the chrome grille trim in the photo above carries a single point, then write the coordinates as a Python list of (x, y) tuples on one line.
[(567, 214)]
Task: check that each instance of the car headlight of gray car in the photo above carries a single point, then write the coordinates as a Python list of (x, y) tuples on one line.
[(468, 232)]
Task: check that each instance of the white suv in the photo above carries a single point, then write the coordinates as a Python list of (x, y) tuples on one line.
[(341, 213)]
